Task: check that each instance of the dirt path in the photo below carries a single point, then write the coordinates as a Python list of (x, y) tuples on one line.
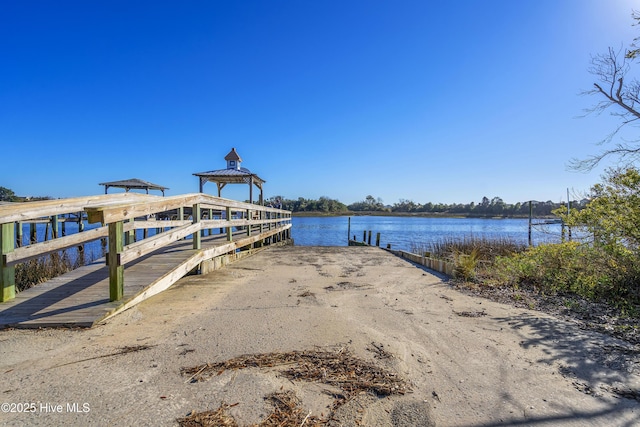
[(467, 361)]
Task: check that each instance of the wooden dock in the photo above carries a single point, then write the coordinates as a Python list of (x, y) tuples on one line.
[(138, 270)]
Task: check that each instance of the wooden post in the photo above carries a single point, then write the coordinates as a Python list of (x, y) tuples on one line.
[(369, 241), (197, 235), (129, 237), (7, 274), (349, 230), (54, 227), (116, 271), (364, 236), (378, 239), (261, 216), (229, 228), (81, 256), (33, 235), (248, 225), (210, 218)]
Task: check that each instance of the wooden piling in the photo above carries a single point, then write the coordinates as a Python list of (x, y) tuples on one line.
[(530, 219), (33, 235), (54, 227)]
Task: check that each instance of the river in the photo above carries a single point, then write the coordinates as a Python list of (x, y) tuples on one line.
[(405, 232)]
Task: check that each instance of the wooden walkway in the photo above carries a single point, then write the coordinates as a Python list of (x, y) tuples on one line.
[(80, 298)]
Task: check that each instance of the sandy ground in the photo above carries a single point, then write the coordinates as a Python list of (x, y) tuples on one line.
[(469, 361)]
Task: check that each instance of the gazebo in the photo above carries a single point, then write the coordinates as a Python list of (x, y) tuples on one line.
[(233, 174), (133, 183)]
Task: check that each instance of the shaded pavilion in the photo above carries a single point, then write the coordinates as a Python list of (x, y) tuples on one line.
[(133, 184), (233, 174)]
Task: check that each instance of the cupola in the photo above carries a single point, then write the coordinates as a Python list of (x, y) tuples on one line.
[(233, 160)]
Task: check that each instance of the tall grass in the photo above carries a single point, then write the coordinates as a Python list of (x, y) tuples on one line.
[(470, 253), (482, 248)]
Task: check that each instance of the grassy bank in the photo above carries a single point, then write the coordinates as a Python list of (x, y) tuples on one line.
[(580, 281)]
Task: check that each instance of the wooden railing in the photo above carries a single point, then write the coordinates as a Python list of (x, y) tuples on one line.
[(120, 215)]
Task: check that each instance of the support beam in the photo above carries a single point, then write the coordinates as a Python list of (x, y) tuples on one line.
[(116, 271)]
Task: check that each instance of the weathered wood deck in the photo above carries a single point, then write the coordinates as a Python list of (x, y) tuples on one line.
[(80, 298)]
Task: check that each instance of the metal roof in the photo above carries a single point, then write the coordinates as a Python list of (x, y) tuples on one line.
[(133, 183), (233, 155), (230, 175)]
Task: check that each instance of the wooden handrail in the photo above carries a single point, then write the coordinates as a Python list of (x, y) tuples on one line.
[(122, 211), (23, 211), (36, 250)]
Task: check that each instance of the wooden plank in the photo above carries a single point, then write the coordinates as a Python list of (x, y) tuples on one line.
[(144, 247)]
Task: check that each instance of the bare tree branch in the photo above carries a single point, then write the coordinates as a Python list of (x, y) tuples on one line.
[(621, 99)]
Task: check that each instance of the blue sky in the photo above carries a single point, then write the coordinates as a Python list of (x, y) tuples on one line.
[(440, 101)]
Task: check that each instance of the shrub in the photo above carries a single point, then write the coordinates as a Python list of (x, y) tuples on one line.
[(465, 264), (571, 267)]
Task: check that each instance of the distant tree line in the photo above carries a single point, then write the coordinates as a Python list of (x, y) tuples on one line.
[(323, 204), (486, 207), (7, 195)]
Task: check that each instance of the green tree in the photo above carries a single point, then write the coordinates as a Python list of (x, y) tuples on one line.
[(612, 216), (7, 195)]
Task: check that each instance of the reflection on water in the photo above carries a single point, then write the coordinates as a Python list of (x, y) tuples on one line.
[(403, 232)]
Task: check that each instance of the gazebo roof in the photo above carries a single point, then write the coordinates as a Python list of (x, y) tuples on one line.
[(133, 183), (231, 176)]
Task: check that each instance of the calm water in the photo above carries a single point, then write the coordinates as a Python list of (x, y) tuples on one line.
[(403, 232)]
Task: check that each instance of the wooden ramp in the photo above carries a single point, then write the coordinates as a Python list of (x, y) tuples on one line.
[(80, 298)]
